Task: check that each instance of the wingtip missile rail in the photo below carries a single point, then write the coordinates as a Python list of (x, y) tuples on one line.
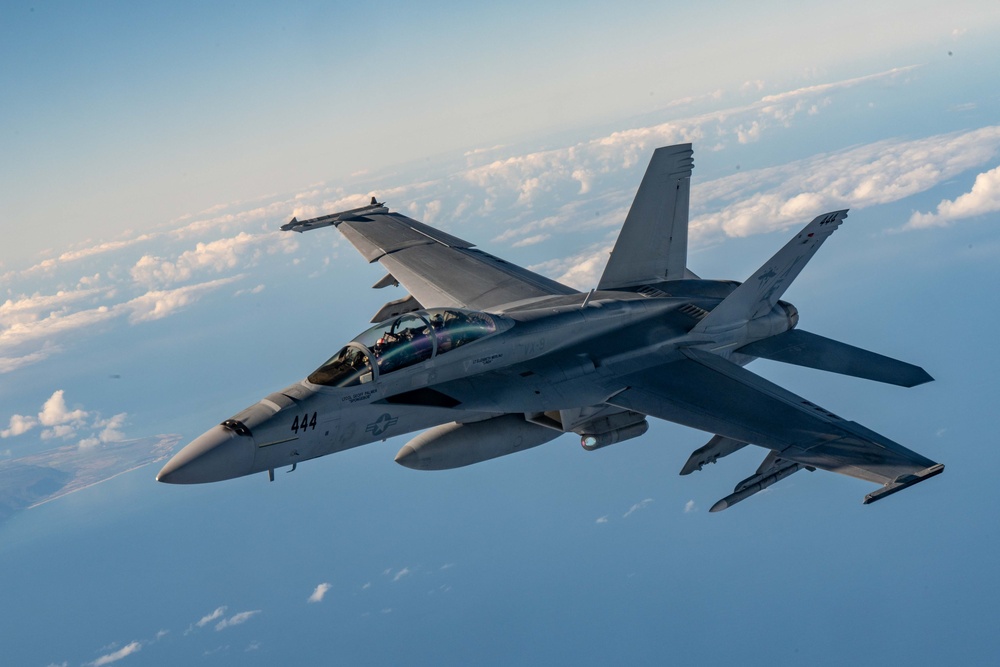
[(295, 225)]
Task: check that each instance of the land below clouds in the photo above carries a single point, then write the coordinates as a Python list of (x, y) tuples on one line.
[(29, 481)]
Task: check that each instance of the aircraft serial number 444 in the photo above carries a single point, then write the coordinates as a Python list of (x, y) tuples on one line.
[(493, 359)]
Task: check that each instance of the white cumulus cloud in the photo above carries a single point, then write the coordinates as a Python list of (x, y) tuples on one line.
[(19, 424), (62, 421), (984, 197), (55, 411), (319, 592)]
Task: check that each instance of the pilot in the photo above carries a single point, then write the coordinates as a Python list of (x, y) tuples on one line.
[(442, 334), (383, 344)]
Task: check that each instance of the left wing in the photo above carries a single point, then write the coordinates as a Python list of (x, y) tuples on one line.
[(707, 392), (438, 269)]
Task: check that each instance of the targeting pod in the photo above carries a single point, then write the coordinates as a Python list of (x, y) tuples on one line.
[(592, 441)]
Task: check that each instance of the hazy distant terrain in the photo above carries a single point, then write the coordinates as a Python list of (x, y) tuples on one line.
[(32, 480)]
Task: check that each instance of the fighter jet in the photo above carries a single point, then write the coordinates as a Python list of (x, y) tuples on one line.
[(493, 359)]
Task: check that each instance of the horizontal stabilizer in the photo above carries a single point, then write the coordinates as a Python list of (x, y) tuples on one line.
[(717, 447), (807, 349)]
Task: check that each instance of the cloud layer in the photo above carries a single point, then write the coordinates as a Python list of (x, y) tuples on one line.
[(529, 200)]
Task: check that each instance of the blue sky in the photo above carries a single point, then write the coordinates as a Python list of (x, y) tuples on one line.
[(148, 156)]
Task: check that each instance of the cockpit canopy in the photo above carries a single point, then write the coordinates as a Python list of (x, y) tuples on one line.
[(403, 341)]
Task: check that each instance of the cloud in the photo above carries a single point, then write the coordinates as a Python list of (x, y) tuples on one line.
[(18, 424), (642, 504), (111, 428), (54, 411), (102, 248), (823, 88), (157, 304), (750, 202), (218, 613), (123, 652), (432, 210), (208, 222), (531, 240), (319, 593), (236, 619), (29, 325), (602, 519), (29, 308), (402, 573), (110, 431), (58, 431), (217, 256), (581, 271), (983, 198), (589, 183), (61, 422), (477, 151), (689, 507), (763, 200), (10, 364), (43, 330), (255, 290)]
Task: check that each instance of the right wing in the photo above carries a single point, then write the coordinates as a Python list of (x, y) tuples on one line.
[(438, 269), (707, 392)]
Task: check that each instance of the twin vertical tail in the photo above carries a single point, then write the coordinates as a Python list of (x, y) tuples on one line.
[(761, 291), (652, 245)]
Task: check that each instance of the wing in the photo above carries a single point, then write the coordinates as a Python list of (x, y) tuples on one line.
[(707, 392), (438, 269)]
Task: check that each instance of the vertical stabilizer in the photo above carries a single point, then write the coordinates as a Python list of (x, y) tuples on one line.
[(761, 291), (652, 246)]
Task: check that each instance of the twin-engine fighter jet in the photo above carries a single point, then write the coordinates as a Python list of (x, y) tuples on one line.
[(494, 359)]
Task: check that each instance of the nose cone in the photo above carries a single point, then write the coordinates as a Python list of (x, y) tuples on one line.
[(216, 455), (408, 457)]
